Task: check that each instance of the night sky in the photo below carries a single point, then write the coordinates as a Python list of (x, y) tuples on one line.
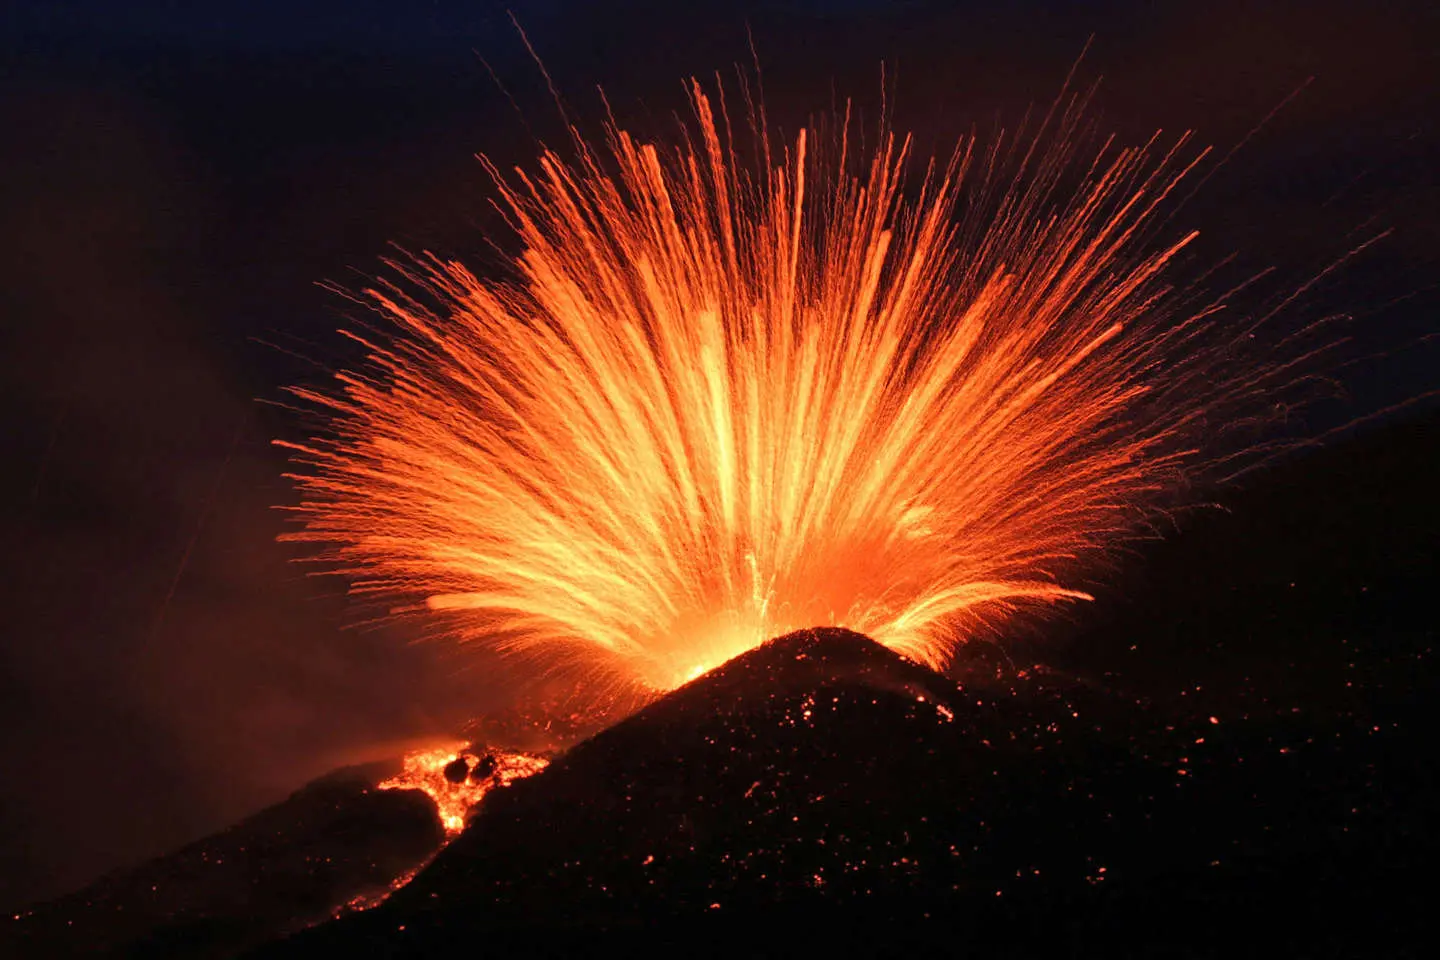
[(177, 180)]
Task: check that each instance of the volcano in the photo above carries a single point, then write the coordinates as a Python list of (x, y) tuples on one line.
[(1237, 753), (819, 769), (821, 791)]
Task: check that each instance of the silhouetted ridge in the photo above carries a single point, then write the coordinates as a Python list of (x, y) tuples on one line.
[(799, 662), (821, 792), (818, 772)]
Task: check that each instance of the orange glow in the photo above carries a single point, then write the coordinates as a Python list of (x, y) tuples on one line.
[(372, 899), (715, 400), (425, 770)]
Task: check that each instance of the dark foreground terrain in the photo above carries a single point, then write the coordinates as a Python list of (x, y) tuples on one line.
[(1232, 754), (820, 791), (284, 868)]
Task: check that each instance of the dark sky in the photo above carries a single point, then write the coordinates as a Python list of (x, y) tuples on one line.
[(176, 178)]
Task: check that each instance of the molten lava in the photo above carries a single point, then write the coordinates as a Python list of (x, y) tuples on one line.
[(715, 400), (433, 771)]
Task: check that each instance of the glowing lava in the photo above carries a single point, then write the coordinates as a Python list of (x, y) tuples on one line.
[(454, 794), (719, 399)]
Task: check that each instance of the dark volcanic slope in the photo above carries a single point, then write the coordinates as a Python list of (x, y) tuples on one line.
[(819, 766), (822, 791), (285, 867), (817, 779)]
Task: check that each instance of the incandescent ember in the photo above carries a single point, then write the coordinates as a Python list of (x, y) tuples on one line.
[(711, 400)]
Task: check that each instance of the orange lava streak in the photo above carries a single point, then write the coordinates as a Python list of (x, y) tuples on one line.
[(425, 770), (372, 899), (717, 402)]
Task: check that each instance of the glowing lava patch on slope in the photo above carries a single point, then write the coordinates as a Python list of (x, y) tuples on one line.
[(457, 778)]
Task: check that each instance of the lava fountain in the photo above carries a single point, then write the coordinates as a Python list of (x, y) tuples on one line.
[(722, 393)]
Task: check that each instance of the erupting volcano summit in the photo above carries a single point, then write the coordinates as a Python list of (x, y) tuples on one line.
[(729, 389)]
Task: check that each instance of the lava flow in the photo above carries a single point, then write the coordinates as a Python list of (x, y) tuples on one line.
[(458, 780), (717, 399)]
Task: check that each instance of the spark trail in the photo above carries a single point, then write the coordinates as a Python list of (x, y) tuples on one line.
[(716, 400)]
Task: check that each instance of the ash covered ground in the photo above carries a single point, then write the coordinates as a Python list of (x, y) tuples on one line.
[(1232, 753)]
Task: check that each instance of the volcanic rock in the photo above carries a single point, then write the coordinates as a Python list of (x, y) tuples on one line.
[(457, 770), (484, 767)]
